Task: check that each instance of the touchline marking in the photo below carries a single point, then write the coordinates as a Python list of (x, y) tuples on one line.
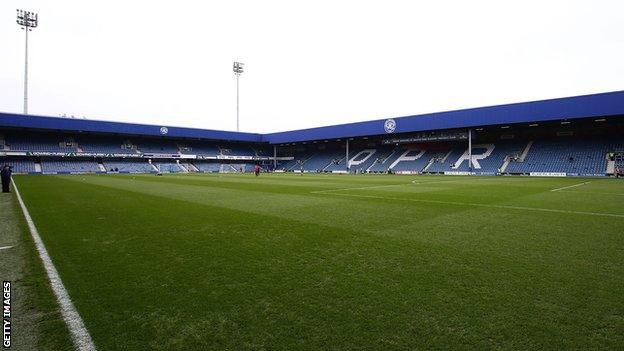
[(6, 247), (520, 208), (79, 333), (571, 186)]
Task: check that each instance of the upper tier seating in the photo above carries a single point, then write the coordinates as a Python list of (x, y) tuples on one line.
[(61, 143), (39, 143), (261, 151), (196, 148), (236, 150), (104, 146), (157, 146)]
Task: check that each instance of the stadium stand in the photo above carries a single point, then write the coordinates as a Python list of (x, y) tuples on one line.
[(582, 157), (236, 150), (106, 146), (208, 167), (385, 159), (296, 162), (572, 156), (319, 161), (337, 164), (575, 157), (359, 160), (362, 159), (168, 167), (238, 167), (189, 167), (39, 142), (413, 160), (157, 146), (260, 151), (487, 158), (69, 166), (20, 166), (128, 166), (195, 148), (572, 136)]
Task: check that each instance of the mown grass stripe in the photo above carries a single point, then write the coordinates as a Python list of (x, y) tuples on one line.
[(521, 208)]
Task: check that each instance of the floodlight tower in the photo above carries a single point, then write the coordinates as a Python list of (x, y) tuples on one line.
[(238, 69), (27, 20)]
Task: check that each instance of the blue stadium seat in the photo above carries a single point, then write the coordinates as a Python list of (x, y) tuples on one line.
[(128, 166), (577, 157), (69, 166)]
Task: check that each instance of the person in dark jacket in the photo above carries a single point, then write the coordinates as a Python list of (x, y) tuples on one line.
[(6, 178)]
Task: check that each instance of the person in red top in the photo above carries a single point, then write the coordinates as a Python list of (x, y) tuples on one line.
[(257, 170)]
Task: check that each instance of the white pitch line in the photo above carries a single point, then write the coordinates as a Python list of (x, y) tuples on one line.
[(571, 186), (520, 208), (79, 333), (360, 188), (420, 182), (591, 193), (378, 186), (6, 247)]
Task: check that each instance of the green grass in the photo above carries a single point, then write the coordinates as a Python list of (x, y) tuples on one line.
[(304, 262), (36, 322)]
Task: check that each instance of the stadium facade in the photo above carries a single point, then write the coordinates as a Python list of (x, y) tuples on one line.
[(573, 136)]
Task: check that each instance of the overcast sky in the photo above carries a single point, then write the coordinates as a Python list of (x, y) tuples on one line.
[(307, 64)]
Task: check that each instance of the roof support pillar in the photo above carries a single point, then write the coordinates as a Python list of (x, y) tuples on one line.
[(347, 155), (469, 150)]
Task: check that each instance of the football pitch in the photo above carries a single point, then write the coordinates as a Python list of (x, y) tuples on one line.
[(337, 262)]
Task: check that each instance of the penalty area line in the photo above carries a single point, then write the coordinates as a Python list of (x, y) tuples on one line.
[(570, 186), (79, 333), (505, 207)]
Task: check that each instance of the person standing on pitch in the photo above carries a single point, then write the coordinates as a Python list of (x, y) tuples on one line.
[(6, 178), (257, 170)]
